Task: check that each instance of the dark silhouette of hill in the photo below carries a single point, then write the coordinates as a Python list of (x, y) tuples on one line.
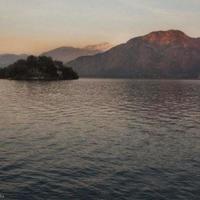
[(38, 68)]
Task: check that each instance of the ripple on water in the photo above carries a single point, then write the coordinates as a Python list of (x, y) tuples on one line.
[(100, 139)]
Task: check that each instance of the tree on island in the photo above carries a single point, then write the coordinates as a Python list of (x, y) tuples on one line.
[(38, 68)]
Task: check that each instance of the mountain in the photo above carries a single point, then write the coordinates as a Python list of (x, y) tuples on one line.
[(161, 54), (7, 59), (66, 54)]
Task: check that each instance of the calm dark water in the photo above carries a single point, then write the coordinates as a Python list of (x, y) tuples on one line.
[(100, 139)]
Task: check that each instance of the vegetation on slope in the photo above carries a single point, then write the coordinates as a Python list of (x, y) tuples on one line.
[(38, 68)]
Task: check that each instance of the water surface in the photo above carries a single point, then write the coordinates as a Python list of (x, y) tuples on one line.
[(100, 139)]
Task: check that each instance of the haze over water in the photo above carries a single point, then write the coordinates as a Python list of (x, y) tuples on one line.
[(100, 139)]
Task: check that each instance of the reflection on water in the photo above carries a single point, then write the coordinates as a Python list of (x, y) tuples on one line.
[(100, 139)]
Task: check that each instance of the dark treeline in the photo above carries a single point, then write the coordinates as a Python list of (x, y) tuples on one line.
[(38, 68)]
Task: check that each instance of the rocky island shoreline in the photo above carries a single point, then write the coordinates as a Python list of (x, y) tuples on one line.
[(38, 68)]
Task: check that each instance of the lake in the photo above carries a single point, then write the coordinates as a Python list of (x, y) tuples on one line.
[(100, 139)]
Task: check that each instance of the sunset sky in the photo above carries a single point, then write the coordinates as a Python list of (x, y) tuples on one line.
[(33, 26)]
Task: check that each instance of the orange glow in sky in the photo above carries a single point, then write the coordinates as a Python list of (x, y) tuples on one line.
[(28, 26)]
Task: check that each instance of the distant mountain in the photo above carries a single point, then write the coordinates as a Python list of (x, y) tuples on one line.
[(66, 54), (7, 59), (162, 54), (101, 47)]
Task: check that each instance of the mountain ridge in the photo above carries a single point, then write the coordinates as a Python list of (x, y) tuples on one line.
[(68, 53), (159, 54), (64, 53)]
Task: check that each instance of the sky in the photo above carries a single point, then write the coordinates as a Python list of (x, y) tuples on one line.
[(34, 26)]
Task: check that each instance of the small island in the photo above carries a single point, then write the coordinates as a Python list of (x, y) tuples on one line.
[(38, 68)]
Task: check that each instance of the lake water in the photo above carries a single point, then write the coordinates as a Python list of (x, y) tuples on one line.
[(100, 139)]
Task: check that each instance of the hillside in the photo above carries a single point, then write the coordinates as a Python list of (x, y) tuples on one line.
[(66, 54), (161, 54)]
